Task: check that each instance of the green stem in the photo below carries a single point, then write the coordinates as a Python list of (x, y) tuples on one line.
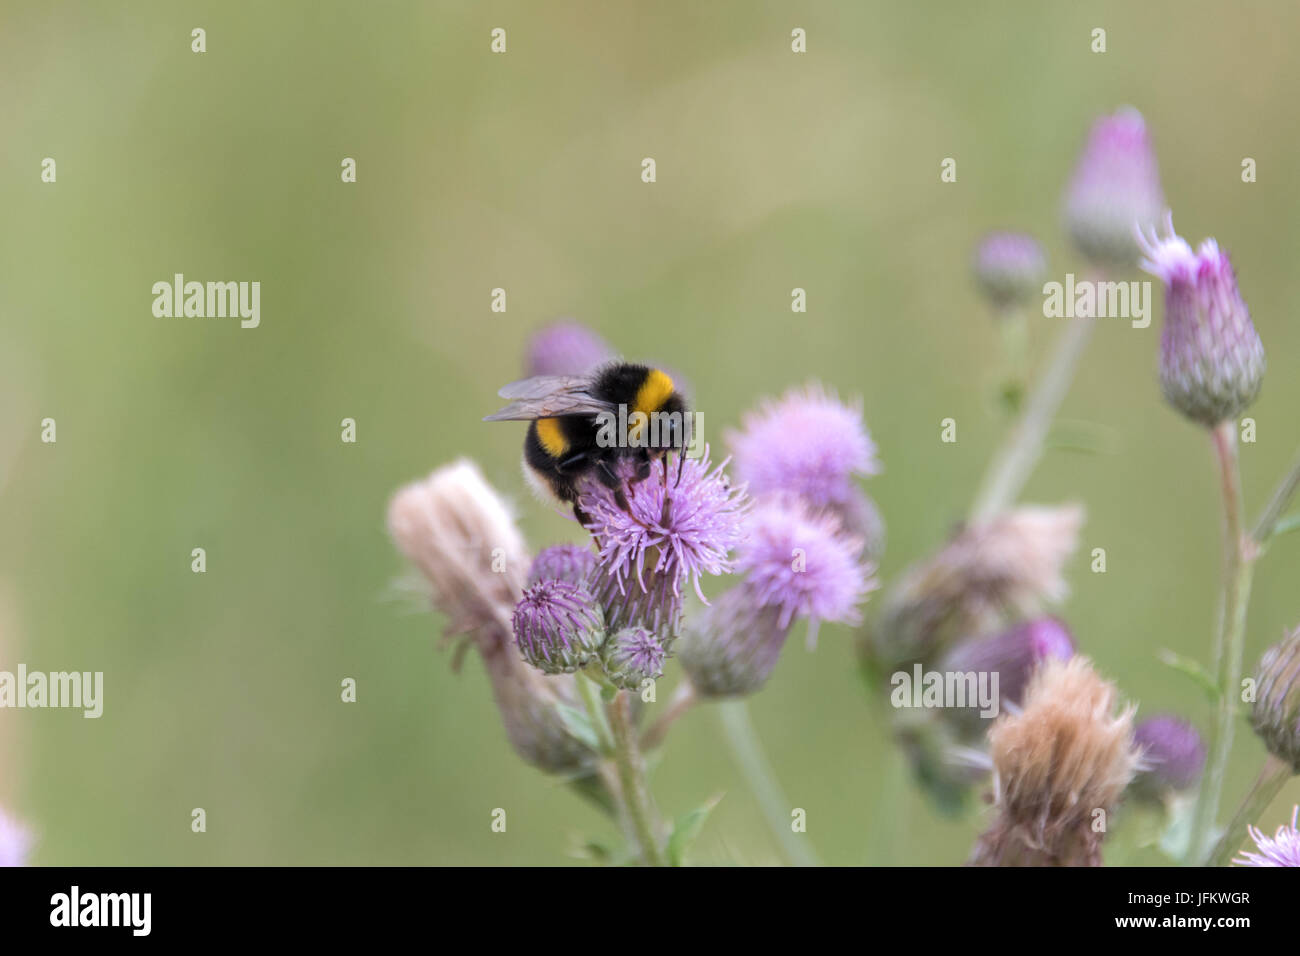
[(1010, 469), (1238, 567), (1268, 785), (762, 781), (632, 783)]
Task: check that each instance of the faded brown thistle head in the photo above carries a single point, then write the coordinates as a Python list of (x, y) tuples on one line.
[(455, 528), (1006, 568), (1059, 766)]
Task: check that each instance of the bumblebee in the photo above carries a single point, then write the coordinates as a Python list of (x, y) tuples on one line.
[(610, 424)]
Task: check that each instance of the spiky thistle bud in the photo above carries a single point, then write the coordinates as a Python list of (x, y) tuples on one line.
[(558, 626), (1116, 186), (1059, 766), (1211, 357), (1010, 268), (1172, 755), (1276, 712), (632, 656), (563, 562)]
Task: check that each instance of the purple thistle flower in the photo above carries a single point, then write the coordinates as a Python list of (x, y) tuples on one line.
[(1173, 755), (1116, 186), (565, 347), (632, 656), (563, 562), (1211, 358), (15, 841), (558, 627), (675, 530), (1010, 268), (798, 562), (1283, 849), (807, 443), (794, 564), (1013, 654)]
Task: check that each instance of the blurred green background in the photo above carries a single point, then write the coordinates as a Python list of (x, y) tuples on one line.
[(522, 171)]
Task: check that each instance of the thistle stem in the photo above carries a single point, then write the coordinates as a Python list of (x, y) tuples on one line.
[(632, 783), (1023, 446), (1268, 784), (1239, 553), (684, 698), (762, 781)]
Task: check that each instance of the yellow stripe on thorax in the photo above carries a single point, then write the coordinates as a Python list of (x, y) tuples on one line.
[(552, 437), (654, 391)]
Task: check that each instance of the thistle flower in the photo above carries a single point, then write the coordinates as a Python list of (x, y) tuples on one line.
[(632, 656), (1283, 849), (1010, 565), (15, 841), (565, 347), (807, 443), (1010, 268), (1173, 755), (1066, 755), (456, 529), (558, 627), (1211, 357), (1116, 186), (1013, 654), (1276, 711), (679, 526), (795, 563), (563, 562)]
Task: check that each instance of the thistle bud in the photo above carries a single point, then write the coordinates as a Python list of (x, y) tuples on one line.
[(558, 627), (1010, 268), (565, 347), (1211, 357), (1066, 756), (1012, 654), (563, 562), (632, 656), (1276, 713), (1173, 755), (1116, 186)]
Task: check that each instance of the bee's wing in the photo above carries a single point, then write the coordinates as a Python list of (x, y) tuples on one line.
[(544, 396)]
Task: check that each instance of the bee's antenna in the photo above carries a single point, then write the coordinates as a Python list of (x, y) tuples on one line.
[(681, 464)]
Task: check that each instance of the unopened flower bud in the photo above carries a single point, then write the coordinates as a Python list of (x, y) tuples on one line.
[(632, 656), (1173, 755), (1116, 186), (558, 627), (1010, 268), (1211, 357), (1276, 713), (563, 562), (1012, 654)]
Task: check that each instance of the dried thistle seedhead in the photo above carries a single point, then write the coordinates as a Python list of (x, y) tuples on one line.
[(1067, 755), (461, 535)]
